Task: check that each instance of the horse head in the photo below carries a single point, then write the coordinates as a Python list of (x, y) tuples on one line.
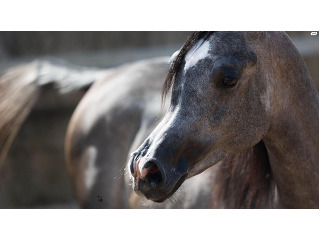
[(223, 98)]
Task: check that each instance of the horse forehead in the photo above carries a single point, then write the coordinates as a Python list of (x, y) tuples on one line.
[(219, 44), (198, 52)]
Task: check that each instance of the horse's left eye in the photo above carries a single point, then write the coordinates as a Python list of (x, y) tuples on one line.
[(229, 81)]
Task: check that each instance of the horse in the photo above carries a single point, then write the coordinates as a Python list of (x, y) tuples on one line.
[(243, 107)]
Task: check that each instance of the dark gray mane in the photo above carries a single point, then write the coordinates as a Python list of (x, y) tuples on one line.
[(191, 41)]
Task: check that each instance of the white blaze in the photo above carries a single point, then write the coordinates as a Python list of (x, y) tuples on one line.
[(198, 52)]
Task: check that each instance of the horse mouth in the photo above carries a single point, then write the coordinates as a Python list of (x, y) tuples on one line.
[(173, 190)]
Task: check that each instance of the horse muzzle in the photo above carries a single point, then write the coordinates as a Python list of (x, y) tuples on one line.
[(150, 179)]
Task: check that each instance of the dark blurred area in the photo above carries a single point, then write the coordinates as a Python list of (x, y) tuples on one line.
[(100, 49), (34, 174), (18, 44)]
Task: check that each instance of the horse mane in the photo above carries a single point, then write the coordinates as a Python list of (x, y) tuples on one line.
[(190, 42), (21, 85), (17, 96)]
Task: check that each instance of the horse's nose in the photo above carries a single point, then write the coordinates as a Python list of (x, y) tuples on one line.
[(150, 173)]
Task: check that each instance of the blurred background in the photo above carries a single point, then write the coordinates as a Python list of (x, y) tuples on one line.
[(34, 174)]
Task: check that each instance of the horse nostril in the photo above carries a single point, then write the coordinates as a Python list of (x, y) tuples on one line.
[(134, 169), (152, 174)]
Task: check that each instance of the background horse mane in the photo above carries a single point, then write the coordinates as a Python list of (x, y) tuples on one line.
[(17, 95), (21, 85)]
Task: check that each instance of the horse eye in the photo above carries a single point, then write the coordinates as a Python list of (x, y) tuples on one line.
[(229, 81)]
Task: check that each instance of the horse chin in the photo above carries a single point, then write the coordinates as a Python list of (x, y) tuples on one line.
[(208, 161), (197, 169), (172, 191)]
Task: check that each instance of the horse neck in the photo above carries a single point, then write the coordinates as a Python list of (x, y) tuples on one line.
[(292, 140), (244, 180)]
